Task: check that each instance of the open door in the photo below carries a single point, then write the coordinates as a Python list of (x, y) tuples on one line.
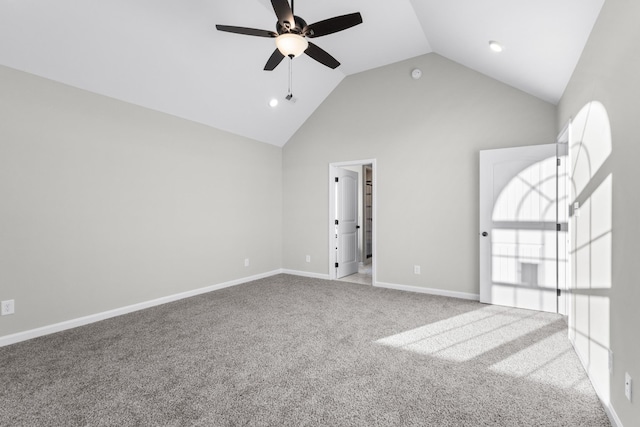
[(518, 227), (346, 222)]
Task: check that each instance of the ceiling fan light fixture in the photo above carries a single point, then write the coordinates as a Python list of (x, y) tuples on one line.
[(291, 44)]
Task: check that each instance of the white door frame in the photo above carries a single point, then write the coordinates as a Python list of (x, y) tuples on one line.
[(332, 209), (563, 149)]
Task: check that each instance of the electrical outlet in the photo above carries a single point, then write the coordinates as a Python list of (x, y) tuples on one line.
[(8, 307), (246, 262), (627, 386), (308, 258), (416, 269)]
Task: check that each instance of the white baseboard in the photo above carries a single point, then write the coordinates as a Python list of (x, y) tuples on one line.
[(611, 413), (305, 274), (440, 292), (92, 318), (613, 417), (430, 291)]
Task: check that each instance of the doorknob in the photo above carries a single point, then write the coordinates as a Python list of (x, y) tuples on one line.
[(485, 234)]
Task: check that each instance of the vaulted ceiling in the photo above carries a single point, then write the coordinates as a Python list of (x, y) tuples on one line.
[(167, 55)]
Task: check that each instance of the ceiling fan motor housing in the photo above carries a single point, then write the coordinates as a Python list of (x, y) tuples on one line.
[(300, 25)]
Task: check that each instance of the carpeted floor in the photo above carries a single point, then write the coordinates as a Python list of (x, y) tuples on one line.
[(292, 351)]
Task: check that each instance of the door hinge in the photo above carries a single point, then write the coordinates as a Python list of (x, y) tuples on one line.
[(559, 292), (336, 265), (559, 161), (337, 179), (337, 222), (558, 227)]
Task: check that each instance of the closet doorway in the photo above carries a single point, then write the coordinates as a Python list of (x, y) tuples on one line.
[(352, 221)]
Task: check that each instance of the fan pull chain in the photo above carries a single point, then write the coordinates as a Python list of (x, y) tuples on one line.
[(289, 93)]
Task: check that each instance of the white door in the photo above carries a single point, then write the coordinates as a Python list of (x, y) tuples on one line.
[(518, 248), (346, 222)]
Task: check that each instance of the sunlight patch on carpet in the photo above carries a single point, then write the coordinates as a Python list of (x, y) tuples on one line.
[(470, 335), (534, 362)]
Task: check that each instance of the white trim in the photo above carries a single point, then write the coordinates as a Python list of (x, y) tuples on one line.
[(430, 291), (306, 274), (92, 318), (611, 413), (374, 210), (331, 229), (608, 409)]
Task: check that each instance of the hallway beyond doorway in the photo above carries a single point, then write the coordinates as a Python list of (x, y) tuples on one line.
[(363, 276)]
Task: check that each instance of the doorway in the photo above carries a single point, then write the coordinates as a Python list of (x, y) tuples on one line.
[(352, 221), (522, 227)]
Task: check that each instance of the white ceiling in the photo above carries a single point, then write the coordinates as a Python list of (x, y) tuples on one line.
[(167, 55)]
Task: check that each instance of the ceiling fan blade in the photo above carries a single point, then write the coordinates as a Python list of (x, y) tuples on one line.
[(322, 56), (332, 25), (274, 60), (283, 12), (246, 31)]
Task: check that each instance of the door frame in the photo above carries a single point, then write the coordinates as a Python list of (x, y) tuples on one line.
[(563, 282), (332, 209)]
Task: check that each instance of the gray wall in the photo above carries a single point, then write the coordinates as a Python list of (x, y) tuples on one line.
[(425, 135), (608, 72), (105, 204)]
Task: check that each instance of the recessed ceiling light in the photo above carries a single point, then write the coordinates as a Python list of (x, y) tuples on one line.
[(495, 46), (273, 103)]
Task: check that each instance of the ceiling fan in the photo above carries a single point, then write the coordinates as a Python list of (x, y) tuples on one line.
[(292, 33)]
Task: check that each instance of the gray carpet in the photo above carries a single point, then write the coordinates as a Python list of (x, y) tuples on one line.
[(291, 351)]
